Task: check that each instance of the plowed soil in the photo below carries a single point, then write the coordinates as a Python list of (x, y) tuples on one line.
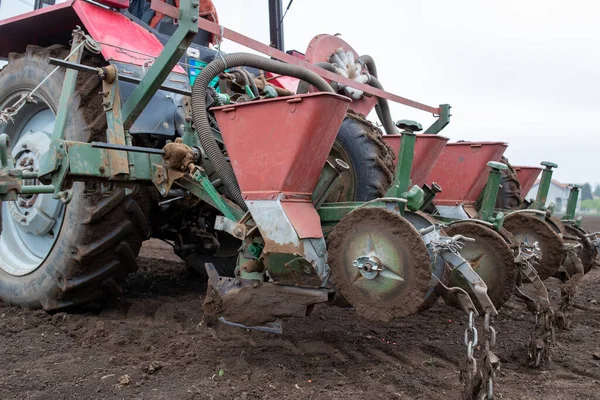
[(149, 345)]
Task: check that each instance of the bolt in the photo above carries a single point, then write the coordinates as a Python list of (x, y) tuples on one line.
[(237, 282), (24, 145), (237, 232), (166, 124), (355, 263), (163, 191), (101, 169), (195, 4), (194, 19)]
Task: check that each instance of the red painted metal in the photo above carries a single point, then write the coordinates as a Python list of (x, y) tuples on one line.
[(427, 150), (461, 171), (527, 177), (281, 145), (320, 48), (112, 29), (115, 3), (236, 37), (304, 218)]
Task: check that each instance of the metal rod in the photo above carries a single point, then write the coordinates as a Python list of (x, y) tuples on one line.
[(236, 37), (124, 78), (163, 65), (37, 189), (133, 149)]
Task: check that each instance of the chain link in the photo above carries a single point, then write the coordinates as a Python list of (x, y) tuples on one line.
[(468, 373), (491, 362), (542, 337)]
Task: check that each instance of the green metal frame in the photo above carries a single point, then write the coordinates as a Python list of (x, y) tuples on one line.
[(441, 122), (81, 161), (544, 186), (163, 65)]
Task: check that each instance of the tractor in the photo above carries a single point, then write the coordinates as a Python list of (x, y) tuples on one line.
[(119, 122)]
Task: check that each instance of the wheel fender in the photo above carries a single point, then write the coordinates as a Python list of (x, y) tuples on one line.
[(110, 28)]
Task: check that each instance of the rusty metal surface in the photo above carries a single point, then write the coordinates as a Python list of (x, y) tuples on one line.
[(279, 55), (529, 228), (428, 148), (527, 177), (320, 48), (389, 238), (461, 171), (254, 303), (293, 137), (115, 134)]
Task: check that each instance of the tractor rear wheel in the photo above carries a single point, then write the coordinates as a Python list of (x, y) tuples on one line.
[(54, 256), (360, 145)]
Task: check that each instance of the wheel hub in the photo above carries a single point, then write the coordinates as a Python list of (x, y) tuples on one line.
[(379, 263), (35, 214), (31, 224)]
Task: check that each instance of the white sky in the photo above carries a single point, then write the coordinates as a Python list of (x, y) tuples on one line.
[(525, 72)]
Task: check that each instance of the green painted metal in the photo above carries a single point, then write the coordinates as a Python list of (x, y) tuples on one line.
[(441, 122), (405, 160), (572, 203), (36, 189), (334, 212), (327, 181), (201, 187), (490, 193), (544, 187), (415, 198), (163, 65), (69, 84), (56, 159)]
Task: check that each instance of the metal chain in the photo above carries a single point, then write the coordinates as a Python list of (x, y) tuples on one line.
[(542, 337), (491, 362), (468, 374)]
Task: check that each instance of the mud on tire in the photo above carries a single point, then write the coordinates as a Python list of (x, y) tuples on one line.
[(360, 145), (101, 234)]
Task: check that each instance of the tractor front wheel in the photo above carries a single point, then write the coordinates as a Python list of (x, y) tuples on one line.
[(55, 256)]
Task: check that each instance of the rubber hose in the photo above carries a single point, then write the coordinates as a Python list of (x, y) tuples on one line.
[(384, 109), (303, 86), (240, 72), (251, 82), (370, 63), (200, 114)]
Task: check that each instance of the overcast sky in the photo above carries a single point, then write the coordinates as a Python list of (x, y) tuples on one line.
[(525, 72)]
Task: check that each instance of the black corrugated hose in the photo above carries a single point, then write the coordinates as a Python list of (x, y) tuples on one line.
[(200, 114)]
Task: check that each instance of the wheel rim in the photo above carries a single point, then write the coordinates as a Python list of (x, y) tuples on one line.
[(420, 221), (528, 229), (491, 258), (30, 224), (345, 189), (379, 263)]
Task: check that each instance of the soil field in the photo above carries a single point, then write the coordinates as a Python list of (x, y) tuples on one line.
[(148, 344)]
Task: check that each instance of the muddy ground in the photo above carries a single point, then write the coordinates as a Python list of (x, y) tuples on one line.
[(149, 345)]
